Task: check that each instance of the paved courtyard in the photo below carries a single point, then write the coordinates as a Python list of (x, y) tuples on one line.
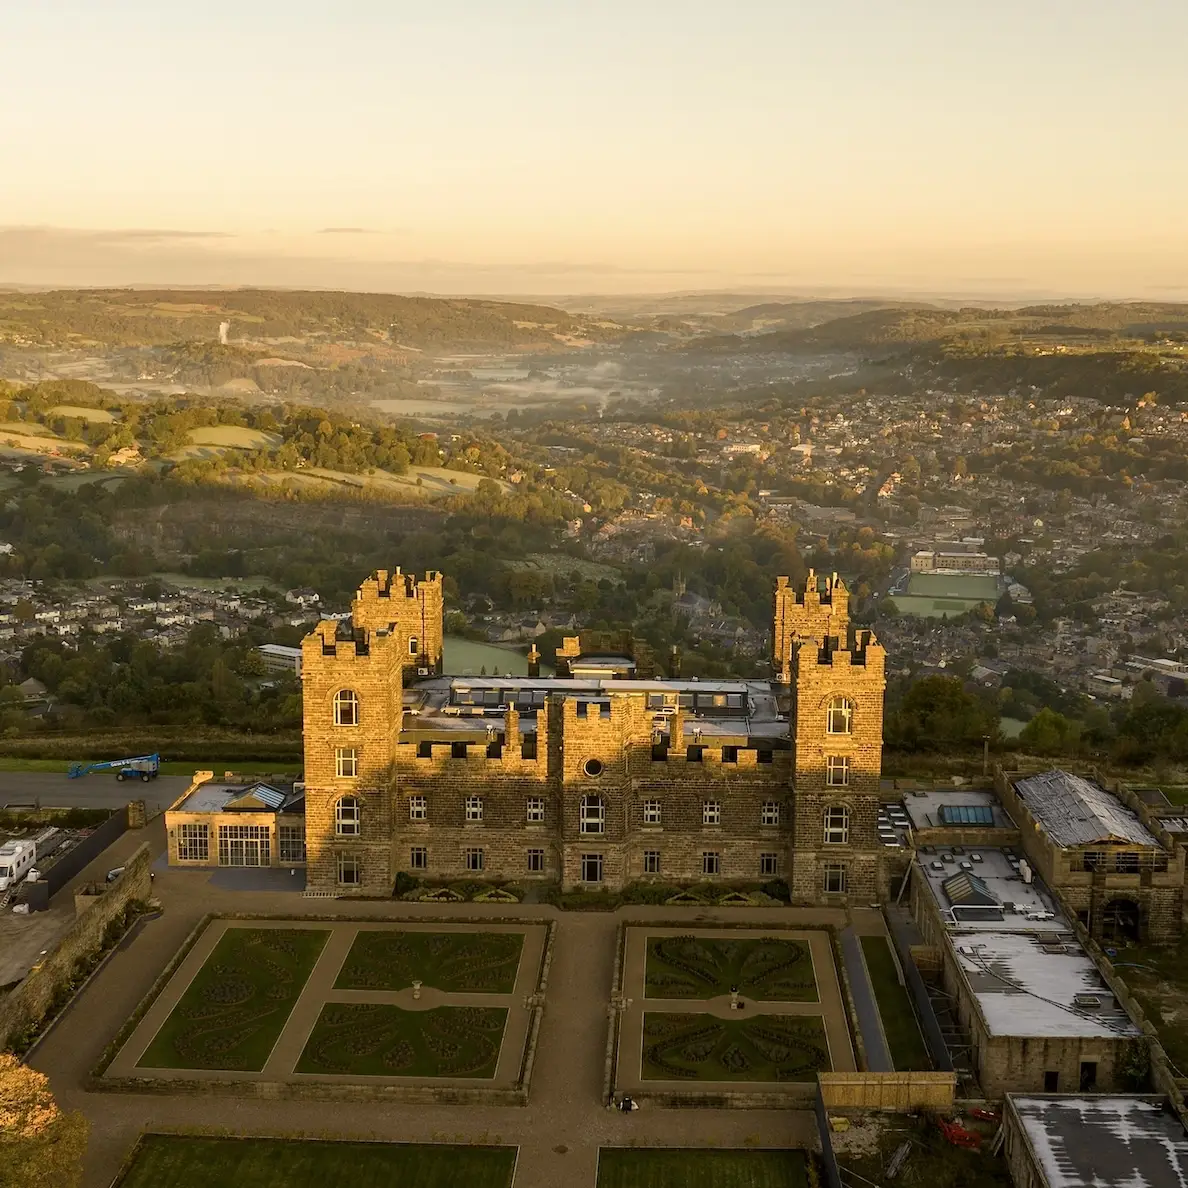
[(558, 1133)]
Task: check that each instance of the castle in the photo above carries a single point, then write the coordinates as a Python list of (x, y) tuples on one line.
[(600, 776)]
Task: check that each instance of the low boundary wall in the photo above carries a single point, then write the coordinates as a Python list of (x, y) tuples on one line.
[(35, 997)]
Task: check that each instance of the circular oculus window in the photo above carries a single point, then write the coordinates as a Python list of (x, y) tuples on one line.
[(593, 767)]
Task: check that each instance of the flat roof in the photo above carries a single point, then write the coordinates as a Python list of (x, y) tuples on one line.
[(1028, 986), (1075, 812), (1109, 1142), (212, 797), (1022, 906), (924, 808)]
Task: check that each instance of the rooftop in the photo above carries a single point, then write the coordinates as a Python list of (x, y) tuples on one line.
[(211, 797), (1038, 986), (1109, 1142), (1006, 902), (955, 807), (1075, 812)]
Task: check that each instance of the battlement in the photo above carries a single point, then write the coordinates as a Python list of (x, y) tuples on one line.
[(338, 638), (849, 651), (813, 613), (395, 585)]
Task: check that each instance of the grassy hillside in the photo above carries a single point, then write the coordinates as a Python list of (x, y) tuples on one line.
[(145, 317)]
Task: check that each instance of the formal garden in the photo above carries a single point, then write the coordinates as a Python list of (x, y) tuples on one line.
[(455, 962), (368, 1039), (684, 1046), (768, 969), (234, 1010), (677, 1167), (177, 1161)]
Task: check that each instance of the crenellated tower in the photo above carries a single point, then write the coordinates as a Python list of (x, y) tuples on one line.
[(412, 609), (815, 612), (352, 688), (837, 715)]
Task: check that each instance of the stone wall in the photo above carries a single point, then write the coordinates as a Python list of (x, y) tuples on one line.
[(27, 1005)]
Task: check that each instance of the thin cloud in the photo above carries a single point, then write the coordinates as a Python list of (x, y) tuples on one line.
[(348, 231)]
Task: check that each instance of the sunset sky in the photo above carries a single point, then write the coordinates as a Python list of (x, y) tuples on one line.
[(548, 146)]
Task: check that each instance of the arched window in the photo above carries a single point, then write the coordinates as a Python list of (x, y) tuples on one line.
[(347, 814), (413, 645), (837, 825), (593, 815), (840, 716), (346, 708)]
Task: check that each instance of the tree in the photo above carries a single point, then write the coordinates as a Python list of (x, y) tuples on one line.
[(1050, 733), (40, 1146), (939, 712)]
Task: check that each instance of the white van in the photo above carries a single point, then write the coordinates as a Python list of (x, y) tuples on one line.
[(16, 860)]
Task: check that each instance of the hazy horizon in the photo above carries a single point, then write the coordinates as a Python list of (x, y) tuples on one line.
[(526, 149)]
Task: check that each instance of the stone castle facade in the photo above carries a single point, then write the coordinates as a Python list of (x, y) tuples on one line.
[(603, 776)]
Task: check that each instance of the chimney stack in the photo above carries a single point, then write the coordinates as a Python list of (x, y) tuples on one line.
[(533, 661)]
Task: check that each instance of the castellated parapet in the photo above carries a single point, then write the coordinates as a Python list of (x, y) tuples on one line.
[(811, 613), (598, 778), (409, 607)]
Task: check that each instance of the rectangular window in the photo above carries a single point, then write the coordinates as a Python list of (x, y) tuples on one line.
[(770, 814), (651, 862), (474, 808), (711, 812), (592, 818), (837, 771), (835, 879), (591, 868), (535, 809), (346, 763), (535, 861), (291, 839), (769, 865), (418, 858), (350, 870), (474, 859), (418, 808), (651, 812), (245, 845), (711, 863), (193, 843), (837, 825)]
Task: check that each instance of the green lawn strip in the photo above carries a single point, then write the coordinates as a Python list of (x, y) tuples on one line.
[(767, 969), (170, 768), (456, 962), (908, 1051), (232, 1013), (368, 1039), (626, 1167), (693, 1047), (1158, 977), (174, 1161)]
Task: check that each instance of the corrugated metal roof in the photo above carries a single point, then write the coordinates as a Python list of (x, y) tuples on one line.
[(1075, 812)]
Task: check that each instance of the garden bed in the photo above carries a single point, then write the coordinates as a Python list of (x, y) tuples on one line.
[(692, 1047), (769, 969), (456, 962), (367, 1039), (628, 1167), (233, 1012)]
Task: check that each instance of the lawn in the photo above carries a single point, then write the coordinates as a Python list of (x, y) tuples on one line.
[(769, 969), (100, 415), (176, 1161), (1158, 977), (170, 768), (908, 1051), (628, 1167), (371, 1039), (692, 1047), (457, 962), (234, 1010)]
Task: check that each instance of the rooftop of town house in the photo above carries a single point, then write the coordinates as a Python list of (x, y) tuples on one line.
[(950, 808), (1039, 985), (256, 797), (1110, 1142), (1072, 811)]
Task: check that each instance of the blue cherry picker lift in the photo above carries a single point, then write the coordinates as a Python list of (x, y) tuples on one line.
[(147, 767)]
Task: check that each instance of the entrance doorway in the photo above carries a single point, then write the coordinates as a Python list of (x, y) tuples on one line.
[(1120, 920), (244, 845), (1088, 1076)]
